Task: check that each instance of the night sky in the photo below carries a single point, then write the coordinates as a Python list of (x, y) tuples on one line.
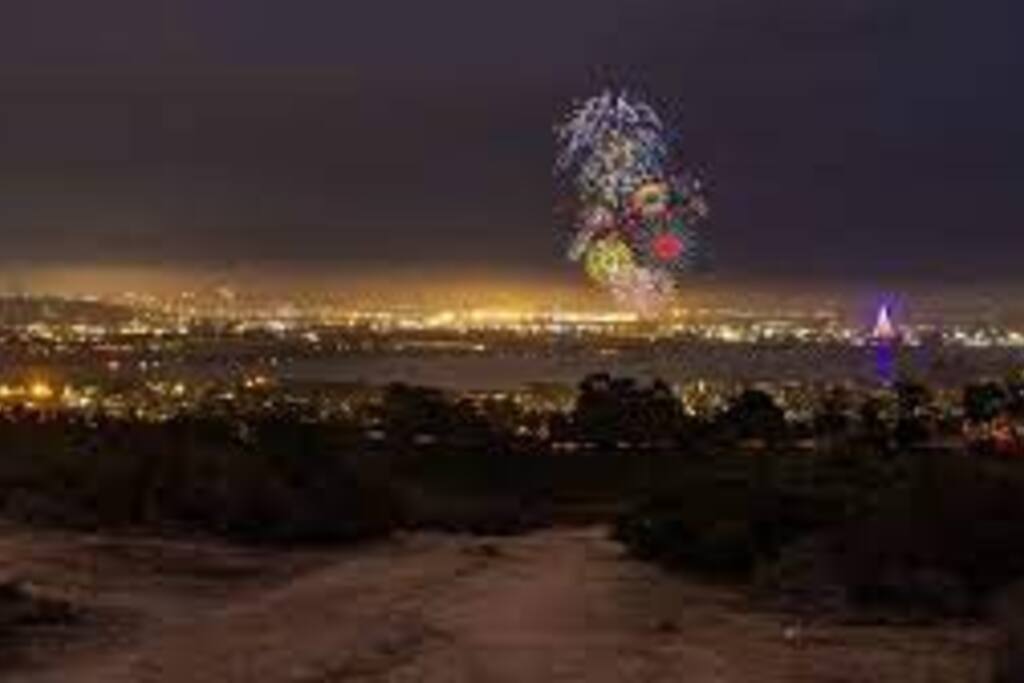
[(847, 139)]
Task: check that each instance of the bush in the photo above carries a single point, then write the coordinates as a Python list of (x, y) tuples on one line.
[(946, 541), (701, 527), (1010, 653), (283, 485), (938, 537)]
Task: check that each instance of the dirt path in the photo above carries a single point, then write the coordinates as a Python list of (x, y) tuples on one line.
[(554, 606), (555, 610)]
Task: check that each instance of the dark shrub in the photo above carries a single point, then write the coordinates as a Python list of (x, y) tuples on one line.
[(285, 484), (1009, 659), (949, 537)]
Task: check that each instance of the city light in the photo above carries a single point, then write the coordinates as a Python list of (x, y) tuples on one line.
[(41, 391)]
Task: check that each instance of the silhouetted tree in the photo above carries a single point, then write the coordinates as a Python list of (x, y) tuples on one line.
[(754, 415), (597, 415), (612, 411), (831, 423), (661, 418), (1015, 396), (873, 429), (984, 402), (408, 413), (913, 402)]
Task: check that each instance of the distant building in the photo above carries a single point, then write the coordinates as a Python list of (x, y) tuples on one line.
[(885, 331), (885, 338)]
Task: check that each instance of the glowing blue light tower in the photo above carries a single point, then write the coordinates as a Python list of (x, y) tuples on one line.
[(885, 338)]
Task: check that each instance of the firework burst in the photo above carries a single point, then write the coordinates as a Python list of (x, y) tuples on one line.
[(636, 232)]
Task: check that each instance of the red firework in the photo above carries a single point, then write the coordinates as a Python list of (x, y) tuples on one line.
[(667, 247)]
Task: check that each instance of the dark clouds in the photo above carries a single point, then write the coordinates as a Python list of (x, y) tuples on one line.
[(843, 138)]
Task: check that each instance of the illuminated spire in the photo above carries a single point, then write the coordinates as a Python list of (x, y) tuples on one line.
[(884, 329)]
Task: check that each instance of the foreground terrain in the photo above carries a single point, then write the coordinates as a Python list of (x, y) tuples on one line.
[(561, 605)]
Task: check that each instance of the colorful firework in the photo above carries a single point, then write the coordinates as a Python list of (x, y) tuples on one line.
[(603, 120), (651, 199), (636, 231), (643, 289), (609, 259), (667, 247)]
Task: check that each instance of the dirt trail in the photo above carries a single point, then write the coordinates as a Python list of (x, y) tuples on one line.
[(557, 611), (559, 606)]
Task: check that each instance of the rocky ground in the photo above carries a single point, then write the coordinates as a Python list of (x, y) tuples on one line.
[(560, 605)]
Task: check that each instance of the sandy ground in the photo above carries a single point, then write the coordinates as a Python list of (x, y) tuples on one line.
[(560, 605)]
